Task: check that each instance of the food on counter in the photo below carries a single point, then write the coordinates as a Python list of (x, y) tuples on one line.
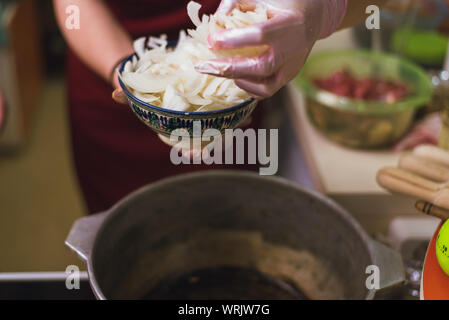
[(343, 83), (442, 247), (165, 76), (369, 98), (360, 130)]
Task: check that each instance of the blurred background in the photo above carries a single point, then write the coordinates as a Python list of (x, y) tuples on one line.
[(39, 195)]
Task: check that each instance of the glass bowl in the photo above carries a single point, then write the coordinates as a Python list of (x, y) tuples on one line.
[(360, 123)]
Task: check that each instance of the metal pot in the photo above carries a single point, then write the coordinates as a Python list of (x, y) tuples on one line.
[(221, 223)]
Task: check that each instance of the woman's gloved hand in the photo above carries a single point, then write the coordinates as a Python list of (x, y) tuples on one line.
[(293, 28)]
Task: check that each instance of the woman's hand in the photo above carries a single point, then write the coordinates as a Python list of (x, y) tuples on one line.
[(118, 94), (293, 28)]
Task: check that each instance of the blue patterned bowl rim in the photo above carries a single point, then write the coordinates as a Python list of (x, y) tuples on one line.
[(150, 106)]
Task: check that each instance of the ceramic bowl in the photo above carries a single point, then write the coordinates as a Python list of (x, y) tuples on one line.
[(165, 121)]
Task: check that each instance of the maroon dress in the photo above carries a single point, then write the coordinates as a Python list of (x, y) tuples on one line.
[(114, 153)]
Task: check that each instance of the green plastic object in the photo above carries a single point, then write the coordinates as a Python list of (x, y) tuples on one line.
[(423, 46), (442, 247), (359, 123)]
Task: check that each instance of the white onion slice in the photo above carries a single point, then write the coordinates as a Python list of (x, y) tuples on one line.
[(196, 100), (147, 83), (174, 101), (148, 98), (193, 10), (212, 87)]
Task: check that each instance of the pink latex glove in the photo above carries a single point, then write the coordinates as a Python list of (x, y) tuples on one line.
[(293, 28)]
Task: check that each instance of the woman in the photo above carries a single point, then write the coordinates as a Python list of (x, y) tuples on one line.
[(115, 154)]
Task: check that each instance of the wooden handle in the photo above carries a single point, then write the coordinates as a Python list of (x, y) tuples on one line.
[(396, 180), (424, 167), (431, 210), (411, 178)]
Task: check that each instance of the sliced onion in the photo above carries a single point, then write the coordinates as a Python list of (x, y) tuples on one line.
[(139, 46), (166, 77), (147, 83), (193, 10), (172, 100), (196, 100), (212, 87), (148, 98)]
